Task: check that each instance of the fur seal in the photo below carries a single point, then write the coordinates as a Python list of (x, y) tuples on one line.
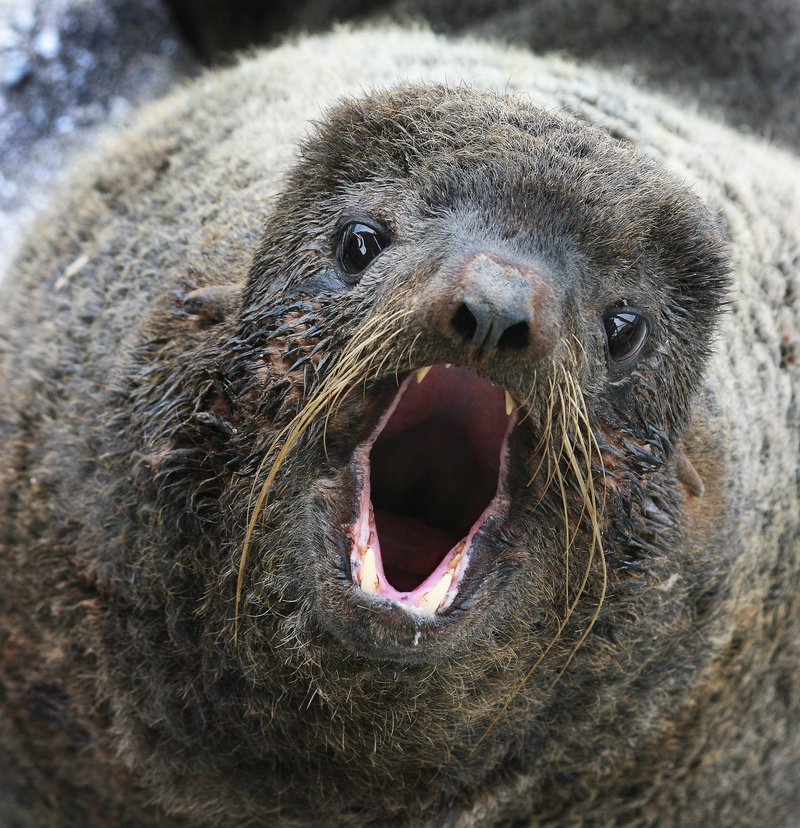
[(447, 478)]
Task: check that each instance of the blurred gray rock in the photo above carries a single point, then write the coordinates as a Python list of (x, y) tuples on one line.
[(69, 68)]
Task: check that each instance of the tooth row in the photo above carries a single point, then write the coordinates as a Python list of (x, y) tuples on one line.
[(370, 580), (370, 583)]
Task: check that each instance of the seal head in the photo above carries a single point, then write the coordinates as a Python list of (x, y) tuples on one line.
[(390, 522), (529, 285)]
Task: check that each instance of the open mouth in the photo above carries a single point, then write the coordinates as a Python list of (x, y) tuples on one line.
[(432, 472)]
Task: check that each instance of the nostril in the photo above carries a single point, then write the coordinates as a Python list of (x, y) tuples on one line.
[(492, 308), (489, 328), (515, 338), (464, 323)]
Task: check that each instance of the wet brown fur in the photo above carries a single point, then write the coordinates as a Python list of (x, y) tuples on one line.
[(180, 641)]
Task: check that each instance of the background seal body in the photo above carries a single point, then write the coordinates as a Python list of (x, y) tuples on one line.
[(124, 690)]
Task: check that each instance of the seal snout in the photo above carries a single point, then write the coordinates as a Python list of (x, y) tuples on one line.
[(495, 306)]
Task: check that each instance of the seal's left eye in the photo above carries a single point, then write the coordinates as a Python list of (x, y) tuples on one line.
[(360, 244), (626, 332)]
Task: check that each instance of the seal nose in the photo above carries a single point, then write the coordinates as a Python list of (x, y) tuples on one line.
[(493, 315), (499, 306)]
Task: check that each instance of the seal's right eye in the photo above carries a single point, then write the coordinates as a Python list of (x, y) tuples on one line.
[(361, 243)]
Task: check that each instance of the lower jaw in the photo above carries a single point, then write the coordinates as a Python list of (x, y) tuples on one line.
[(437, 592)]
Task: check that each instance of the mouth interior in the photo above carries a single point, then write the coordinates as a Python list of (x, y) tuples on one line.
[(434, 469)]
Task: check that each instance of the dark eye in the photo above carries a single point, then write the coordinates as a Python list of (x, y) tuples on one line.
[(626, 333), (360, 245)]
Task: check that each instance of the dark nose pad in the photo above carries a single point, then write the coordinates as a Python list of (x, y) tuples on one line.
[(501, 307), (494, 321)]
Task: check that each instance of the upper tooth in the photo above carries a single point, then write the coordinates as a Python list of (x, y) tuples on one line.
[(422, 373), (457, 555), (509, 404), (369, 573), (430, 600)]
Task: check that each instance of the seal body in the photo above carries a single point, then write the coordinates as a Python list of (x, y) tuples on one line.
[(737, 58), (439, 468)]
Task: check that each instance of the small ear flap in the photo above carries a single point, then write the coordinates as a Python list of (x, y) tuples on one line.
[(212, 304), (687, 474)]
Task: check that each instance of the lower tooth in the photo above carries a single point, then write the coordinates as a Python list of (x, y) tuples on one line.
[(369, 573), (430, 600)]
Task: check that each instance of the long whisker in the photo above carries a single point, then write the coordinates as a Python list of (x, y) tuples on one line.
[(355, 359), (526, 402), (573, 414), (544, 444), (587, 490)]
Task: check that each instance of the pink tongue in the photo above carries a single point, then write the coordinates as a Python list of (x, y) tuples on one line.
[(416, 547)]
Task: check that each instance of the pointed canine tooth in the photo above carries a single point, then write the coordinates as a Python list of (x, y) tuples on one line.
[(369, 573), (422, 373), (509, 404), (432, 598)]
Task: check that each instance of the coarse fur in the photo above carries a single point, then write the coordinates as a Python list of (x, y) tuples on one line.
[(187, 373), (736, 58), (739, 59)]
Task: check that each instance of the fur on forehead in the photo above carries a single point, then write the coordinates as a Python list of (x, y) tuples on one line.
[(526, 171)]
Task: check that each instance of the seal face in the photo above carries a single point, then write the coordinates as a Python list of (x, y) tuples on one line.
[(529, 285), (395, 509)]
